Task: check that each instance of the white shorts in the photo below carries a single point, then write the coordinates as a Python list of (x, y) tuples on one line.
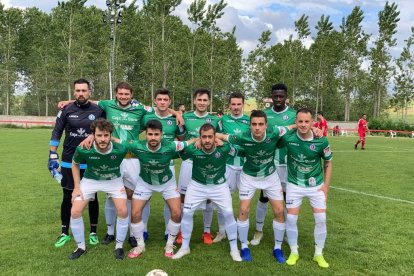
[(295, 195), (282, 172), (197, 195), (185, 175), (270, 185), (143, 190), (233, 177), (130, 169), (114, 188), (172, 168)]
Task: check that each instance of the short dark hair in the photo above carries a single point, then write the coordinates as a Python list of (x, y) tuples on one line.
[(82, 81), (154, 124), (124, 85), (305, 110), (180, 104), (207, 127), (162, 91), (319, 113), (258, 114), (102, 124), (280, 86), (236, 95), (202, 91)]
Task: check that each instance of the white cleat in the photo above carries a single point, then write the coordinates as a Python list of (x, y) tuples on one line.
[(235, 255), (136, 251), (181, 253), (256, 238), (169, 250), (219, 237)]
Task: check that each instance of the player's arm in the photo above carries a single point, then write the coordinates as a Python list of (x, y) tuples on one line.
[(223, 137), (327, 172), (87, 142), (178, 116), (53, 162), (76, 181)]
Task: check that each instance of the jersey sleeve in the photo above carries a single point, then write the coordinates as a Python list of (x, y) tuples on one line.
[(58, 129), (187, 153), (77, 156), (235, 139), (180, 132), (130, 145), (103, 104), (326, 153), (279, 131)]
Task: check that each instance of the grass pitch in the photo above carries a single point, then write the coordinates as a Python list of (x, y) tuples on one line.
[(370, 219)]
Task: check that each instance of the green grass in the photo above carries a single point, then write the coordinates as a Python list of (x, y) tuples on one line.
[(366, 235)]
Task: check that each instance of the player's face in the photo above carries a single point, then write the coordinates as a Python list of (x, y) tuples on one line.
[(123, 96), (162, 102), (279, 98), (236, 106), (258, 127), (364, 117), (154, 137), (304, 122), (82, 93), (181, 108), (207, 139), (201, 102), (102, 139)]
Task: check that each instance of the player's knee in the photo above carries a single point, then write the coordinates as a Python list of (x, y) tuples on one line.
[(244, 211), (320, 218), (176, 214), (136, 216), (291, 219), (122, 212), (75, 213)]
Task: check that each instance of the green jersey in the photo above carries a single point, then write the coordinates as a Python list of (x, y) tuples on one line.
[(127, 121), (155, 165), (304, 159), (194, 122), (101, 166), (209, 168), (233, 125), (169, 126), (259, 154), (286, 117)]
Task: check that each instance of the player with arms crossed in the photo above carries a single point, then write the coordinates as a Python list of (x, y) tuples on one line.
[(103, 173), (362, 130), (307, 178), (208, 182)]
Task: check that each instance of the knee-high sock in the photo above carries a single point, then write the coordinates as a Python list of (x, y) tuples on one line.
[(173, 228), (243, 229), (138, 230), (231, 229), (208, 217), (187, 228), (292, 231), (145, 214), (93, 213), (363, 144), (65, 208), (279, 232), (110, 215), (320, 232), (261, 210), (222, 222), (129, 208), (78, 231), (167, 216), (121, 231)]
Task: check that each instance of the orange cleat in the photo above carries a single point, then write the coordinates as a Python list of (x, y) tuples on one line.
[(179, 239), (207, 238)]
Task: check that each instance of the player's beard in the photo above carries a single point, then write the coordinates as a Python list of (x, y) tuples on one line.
[(103, 145), (207, 146), (153, 143), (81, 100)]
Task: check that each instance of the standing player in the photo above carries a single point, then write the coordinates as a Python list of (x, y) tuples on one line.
[(75, 120), (102, 174), (234, 123), (322, 123), (279, 115), (193, 121), (307, 178), (181, 108), (208, 182), (362, 130)]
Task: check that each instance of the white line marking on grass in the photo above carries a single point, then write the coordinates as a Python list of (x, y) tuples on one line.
[(375, 151), (373, 195)]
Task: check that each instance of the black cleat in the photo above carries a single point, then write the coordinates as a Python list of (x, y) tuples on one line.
[(356, 146), (119, 254), (108, 239), (77, 254), (132, 241)]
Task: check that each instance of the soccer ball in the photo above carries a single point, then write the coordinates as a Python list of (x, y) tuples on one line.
[(157, 272)]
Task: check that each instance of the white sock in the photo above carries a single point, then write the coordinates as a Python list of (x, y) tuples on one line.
[(208, 217), (243, 229), (173, 228), (110, 216), (167, 216), (231, 229), (78, 231), (320, 232), (145, 215), (292, 229), (279, 232), (261, 210), (138, 230), (294, 249), (187, 228), (121, 231), (221, 222)]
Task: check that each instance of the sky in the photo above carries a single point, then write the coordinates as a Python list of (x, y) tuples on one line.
[(252, 17)]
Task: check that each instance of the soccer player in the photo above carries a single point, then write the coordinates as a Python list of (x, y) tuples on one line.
[(259, 172), (279, 115), (234, 123), (322, 123), (75, 120), (103, 173), (307, 179), (362, 130), (208, 181), (181, 108), (193, 121)]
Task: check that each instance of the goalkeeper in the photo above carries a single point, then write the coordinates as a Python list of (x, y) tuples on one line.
[(75, 120)]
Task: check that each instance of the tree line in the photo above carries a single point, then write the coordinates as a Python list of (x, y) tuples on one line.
[(339, 74)]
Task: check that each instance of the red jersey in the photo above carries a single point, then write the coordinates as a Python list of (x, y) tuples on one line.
[(323, 124), (362, 125)]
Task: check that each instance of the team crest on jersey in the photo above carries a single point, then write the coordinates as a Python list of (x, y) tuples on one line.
[(208, 120), (244, 122), (179, 146), (169, 122), (312, 147), (282, 131), (91, 117), (217, 155), (312, 181), (285, 117), (113, 157), (124, 115)]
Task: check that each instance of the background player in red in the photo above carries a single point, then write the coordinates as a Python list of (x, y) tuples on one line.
[(322, 123), (362, 130)]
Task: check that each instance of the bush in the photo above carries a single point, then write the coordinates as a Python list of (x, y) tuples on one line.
[(383, 123)]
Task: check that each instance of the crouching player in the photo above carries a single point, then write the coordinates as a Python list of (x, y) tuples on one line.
[(103, 162), (208, 182), (307, 178)]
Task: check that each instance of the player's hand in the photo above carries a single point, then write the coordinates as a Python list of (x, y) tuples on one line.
[(77, 193), (179, 118), (218, 142), (135, 102), (87, 142), (324, 189), (197, 143), (62, 104), (317, 132), (53, 162)]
